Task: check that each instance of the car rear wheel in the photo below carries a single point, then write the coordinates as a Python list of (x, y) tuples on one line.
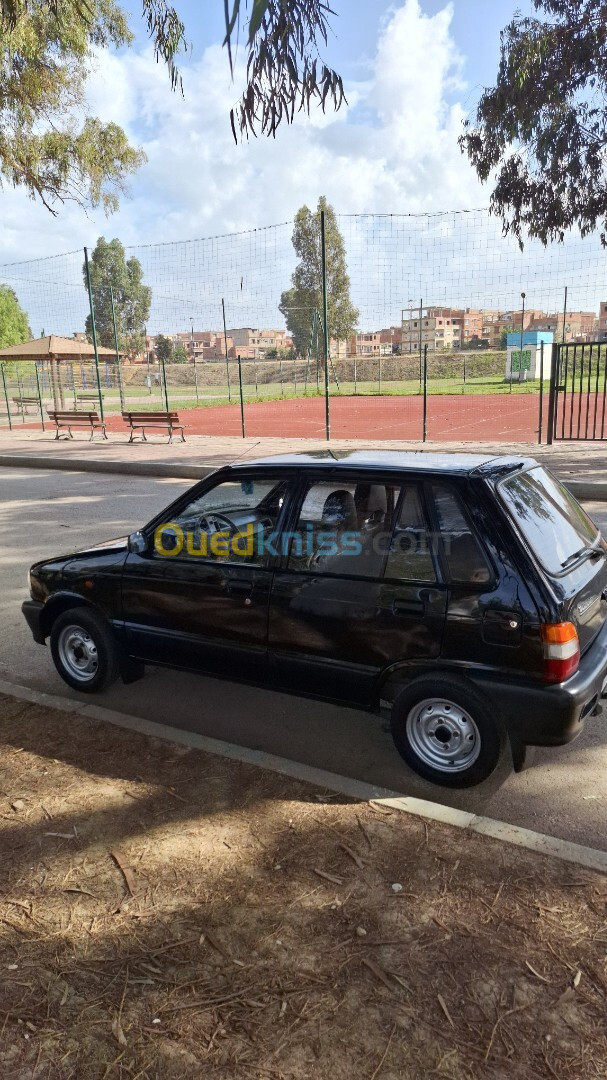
[(84, 650), (447, 731)]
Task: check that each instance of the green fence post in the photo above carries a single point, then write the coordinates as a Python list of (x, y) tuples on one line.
[(225, 342), (379, 386), (193, 345), (8, 408), (282, 389), (20, 393), (241, 397), (425, 382), (120, 389), (164, 383), (325, 307), (554, 376), (317, 321), (39, 395), (196, 380), (421, 311), (93, 330), (255, 373), (147, 356), (541, 403), (520, 370)]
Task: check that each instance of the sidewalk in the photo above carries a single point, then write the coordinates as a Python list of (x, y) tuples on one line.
[(582, 465)]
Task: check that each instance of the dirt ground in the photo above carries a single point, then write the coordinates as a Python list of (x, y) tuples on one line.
[(169, 914)]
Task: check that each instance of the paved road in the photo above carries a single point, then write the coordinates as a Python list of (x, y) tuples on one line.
[(46, 512)]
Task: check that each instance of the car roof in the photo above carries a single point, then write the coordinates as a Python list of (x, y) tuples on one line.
[(418, 461)]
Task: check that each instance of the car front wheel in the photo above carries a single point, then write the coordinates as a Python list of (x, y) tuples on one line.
[(84, 650), (447, 731)]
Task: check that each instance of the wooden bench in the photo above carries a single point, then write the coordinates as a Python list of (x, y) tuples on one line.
[(87, 395), (25, 400), (69, 418), (147, 420)]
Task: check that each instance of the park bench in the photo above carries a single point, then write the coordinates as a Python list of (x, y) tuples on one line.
[(87, 395), (147, 420), (23, 401), (69, 418)]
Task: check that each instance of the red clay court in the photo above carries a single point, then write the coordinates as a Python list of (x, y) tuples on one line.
[(460, 418)]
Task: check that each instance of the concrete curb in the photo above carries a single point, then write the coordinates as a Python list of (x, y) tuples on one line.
[(589, 858), (159, 469), (592, 490)]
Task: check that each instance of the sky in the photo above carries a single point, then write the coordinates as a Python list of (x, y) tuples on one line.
[(412, 71)]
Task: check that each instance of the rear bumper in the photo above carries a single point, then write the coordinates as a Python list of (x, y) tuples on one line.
[(544, 715), (32, 610)]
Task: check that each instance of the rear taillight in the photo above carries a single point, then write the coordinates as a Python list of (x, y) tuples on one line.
[(561, 651)]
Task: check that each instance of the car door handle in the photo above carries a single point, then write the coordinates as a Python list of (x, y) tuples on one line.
[(407, 607), (239, 587)]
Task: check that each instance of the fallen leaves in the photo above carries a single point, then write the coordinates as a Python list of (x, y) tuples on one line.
[(127, 873), (329, 877), (118, 1032), (443, 1005), (536, 973)]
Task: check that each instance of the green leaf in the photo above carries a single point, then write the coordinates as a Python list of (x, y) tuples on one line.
[(259, 9)]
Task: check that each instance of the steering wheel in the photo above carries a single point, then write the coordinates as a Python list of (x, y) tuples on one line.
[(217, 519)]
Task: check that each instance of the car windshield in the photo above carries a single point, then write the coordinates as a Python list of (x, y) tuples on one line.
[(553, 522)]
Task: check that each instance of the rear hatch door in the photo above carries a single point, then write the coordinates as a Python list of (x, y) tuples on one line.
[(566, 543)]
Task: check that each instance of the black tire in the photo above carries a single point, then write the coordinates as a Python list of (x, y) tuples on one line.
[(99, 665), (447, 731)]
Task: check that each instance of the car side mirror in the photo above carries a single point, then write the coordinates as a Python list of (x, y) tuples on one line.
[(137, 543)]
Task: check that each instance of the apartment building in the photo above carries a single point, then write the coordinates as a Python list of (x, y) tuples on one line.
[(375, 343), (252, 344), (437, 327), (580, 326)]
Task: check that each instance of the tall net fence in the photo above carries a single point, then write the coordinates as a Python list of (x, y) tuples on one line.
[(447, 287)]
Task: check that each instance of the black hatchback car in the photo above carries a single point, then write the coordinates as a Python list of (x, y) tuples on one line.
[(466, 595)]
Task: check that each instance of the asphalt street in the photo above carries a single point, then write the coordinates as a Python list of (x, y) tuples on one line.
[(44, 513)]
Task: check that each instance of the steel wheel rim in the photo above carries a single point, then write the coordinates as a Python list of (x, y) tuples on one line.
[(78, 653), (443, 735)]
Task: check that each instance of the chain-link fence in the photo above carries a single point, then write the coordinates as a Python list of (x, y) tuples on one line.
[(445, 286)]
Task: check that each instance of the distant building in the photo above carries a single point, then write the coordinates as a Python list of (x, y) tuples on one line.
[(252, 344), (437, 327), (580, 326), (375, 342)]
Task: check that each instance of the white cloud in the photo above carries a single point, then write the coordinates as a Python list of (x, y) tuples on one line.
[(394, 149)]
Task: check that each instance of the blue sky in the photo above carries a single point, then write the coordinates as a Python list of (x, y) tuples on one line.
[(413, 71)]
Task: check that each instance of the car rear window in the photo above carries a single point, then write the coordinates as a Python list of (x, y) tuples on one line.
[(551, 520)]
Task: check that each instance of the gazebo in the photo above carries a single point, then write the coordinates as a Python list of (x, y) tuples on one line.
[(55, 350)]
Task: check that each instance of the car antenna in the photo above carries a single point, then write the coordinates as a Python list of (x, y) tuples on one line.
[(332, 454)]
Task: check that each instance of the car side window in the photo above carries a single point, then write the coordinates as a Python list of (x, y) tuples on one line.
[(343, 528), (466, 560), (233, 522), (410, 557)]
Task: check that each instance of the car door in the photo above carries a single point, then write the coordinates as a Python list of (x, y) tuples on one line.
[(198, 595), (358, 589)]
